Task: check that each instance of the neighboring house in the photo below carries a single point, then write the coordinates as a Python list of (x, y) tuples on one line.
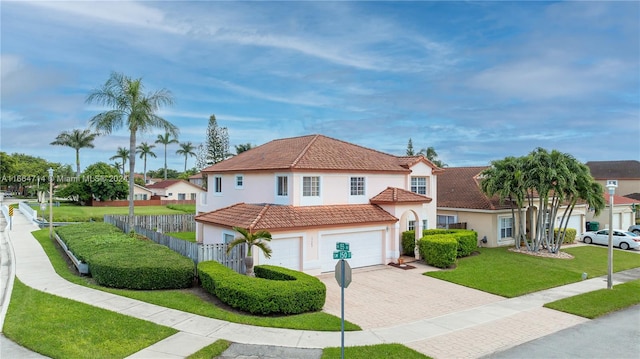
[(626, 172), (623, 214), (197, 179), (313, 191), (141, 193), (460, 199), (175, 189)]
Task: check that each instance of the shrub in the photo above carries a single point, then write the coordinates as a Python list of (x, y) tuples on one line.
[(570, 237), (121, 261), (467, 239), (439, 250), (408, 243), (274, 290)]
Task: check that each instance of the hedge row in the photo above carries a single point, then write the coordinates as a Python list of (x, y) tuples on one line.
[(569, 238), (120, 261), (467, 240), (439, 250), (274, 290)]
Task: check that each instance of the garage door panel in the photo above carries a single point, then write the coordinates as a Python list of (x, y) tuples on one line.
[(285, 252), (366, 249)]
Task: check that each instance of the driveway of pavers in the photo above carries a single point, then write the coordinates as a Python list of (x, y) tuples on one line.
[(383, 296)]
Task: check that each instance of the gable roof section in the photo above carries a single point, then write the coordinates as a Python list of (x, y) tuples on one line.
[(398, 195), (170, 182), (459, 187), (278, 217), (409, 161), (620, 170), (310, 153)]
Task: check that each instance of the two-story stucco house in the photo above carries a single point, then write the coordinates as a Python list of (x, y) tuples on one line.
[(175, 189), (313, 191)]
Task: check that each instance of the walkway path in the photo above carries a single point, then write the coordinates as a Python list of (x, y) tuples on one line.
[(469, 333)]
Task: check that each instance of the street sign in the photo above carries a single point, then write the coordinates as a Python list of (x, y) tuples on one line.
[(347, 273), (342, 246), (11, 213), (341, 255)]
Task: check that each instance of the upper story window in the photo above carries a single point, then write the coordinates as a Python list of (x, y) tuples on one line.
[(282, 184), (239, 181), (217, 184), (357, 186), (311, 186), (419, 185)]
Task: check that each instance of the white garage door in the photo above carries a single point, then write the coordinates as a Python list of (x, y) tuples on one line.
[(285, 252), (616, 221), (367, 248), (575, 222)]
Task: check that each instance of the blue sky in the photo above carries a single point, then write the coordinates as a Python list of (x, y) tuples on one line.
[(478, 81)]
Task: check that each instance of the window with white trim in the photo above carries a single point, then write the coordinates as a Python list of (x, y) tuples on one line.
[(182, 196), (419, 185), (506, 227), (311, 186), (217, 184), (282, 184), (192, 196), (357, 186), (239, 181), (411, 225)]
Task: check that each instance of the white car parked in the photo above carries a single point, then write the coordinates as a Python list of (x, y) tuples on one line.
[(621, 238)]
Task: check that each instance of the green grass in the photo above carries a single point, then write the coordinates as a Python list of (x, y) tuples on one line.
[(186, 208), (380, 351), (211, 351), (62, 328), (509, 274), (72, 213), (600, 302), (187, 236), (187, 301)]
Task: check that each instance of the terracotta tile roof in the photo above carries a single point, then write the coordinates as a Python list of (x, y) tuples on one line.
[(313, 153), (399, 195), (458, 187), (277, 217), (408, 161), (619, 170), (196, 176), (619, 199), (170, 182)]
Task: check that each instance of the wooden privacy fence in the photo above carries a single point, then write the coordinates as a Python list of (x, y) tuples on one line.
[(161, 223), (197, 252)]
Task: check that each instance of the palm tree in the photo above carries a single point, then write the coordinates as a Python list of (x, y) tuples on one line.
[(243, 147), (121, 154), (133, 109), (166, 140), (145, 150), (186, 149), (76, 139), (251, 239), (117, 165), (431, 154)]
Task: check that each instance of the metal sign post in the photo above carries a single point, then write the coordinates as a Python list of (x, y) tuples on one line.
[(343, 276), (10, 217)]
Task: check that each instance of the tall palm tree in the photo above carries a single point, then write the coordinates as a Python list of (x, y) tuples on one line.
[(76, 139), (243, 147), (431, 154), (130, 108), (166, 139), (145, 150), (258, 239), (186, 149), (121, 154)]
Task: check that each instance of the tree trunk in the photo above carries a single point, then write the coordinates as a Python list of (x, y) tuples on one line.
[(132, 167), (248, 263)]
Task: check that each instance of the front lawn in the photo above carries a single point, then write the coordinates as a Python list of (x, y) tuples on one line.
[(380, 351), (188, 300), (187, 236), (594, 304), (72, 213), (62, 328), (509, 274)]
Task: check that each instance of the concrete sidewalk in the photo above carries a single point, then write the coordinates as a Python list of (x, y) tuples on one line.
[(482, 329)]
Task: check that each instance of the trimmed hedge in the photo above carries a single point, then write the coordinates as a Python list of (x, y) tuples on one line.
[(274, 290), (439, 250), (120, 261), (408, 243), (467, 239), (569, 238)]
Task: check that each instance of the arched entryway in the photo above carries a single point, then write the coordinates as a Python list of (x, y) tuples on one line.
[(410, 216)]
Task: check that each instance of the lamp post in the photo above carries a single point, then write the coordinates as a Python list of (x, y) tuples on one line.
[(50, 203), (611, 186)]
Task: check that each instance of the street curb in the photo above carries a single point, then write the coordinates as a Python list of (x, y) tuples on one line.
[(8, 271)]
